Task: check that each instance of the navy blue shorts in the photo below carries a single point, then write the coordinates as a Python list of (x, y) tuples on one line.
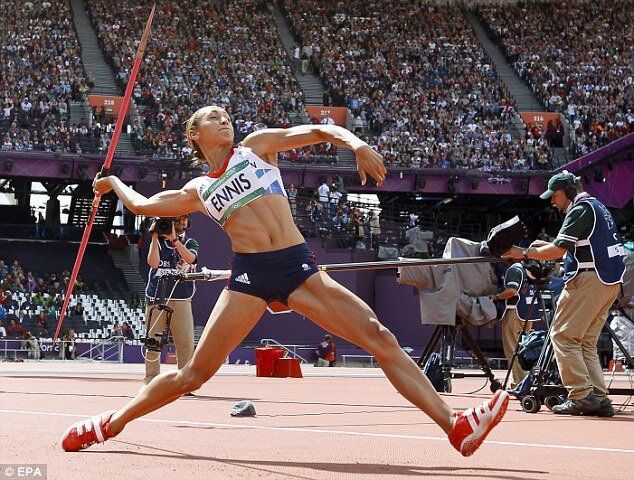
[(272, 276)]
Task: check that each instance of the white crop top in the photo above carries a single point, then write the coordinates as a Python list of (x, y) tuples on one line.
[(245, 177)]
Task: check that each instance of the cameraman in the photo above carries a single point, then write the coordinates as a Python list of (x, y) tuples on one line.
[(170, 253), (518, 294), (593, 272)]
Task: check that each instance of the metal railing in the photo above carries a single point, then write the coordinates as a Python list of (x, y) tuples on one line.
[(109, 350), (465, 362), (289, 349)]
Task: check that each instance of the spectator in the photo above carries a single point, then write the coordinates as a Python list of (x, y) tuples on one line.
[(292, 199), (77, 310), (116, 329), (32, 345), (375, 229), (297, 55), (136, 301), (9, 303), (315, 212), (127, 332), (3, 331), (16, 330), (335, 196), (67, 350), (358, 232), (326, 352), (41, 325), (324, 196)]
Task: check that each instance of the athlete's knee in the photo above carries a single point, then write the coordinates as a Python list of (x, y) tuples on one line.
[(380, 336), (192, 378)]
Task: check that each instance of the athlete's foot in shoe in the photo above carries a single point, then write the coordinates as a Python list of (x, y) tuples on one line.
[(472, 426), (81, 435)]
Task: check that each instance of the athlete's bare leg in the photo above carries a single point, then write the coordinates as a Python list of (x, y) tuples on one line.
[(232, 318), (342, 313)]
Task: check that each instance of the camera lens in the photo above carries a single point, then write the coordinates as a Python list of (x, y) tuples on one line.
[(163, 226)]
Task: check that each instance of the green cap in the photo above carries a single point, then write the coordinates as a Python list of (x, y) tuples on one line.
[(559, 181)]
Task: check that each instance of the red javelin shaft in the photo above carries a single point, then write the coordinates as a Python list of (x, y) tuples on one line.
[(105, 168)]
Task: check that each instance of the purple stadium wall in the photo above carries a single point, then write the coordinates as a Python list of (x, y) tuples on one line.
[(396, 307)]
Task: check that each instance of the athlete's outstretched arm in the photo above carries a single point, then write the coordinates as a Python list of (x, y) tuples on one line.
[(273, 140), (169, 203)]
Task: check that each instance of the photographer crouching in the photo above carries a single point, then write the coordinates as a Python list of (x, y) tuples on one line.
[(593, 271), (171, 251), (517, 294)]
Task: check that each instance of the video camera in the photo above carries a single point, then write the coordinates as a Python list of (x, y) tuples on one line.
[(538, 273), (162, 226)]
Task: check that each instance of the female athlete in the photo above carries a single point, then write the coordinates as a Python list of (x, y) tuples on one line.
[(271, 263)]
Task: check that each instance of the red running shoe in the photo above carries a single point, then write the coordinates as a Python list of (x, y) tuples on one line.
[(474, 424), (83, 434)]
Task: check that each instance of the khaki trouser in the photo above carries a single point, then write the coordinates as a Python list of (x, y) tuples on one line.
[(511, 327), (580, 315), (182, 328)]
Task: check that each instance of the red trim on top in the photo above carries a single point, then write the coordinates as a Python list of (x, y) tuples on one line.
[(223, 169)]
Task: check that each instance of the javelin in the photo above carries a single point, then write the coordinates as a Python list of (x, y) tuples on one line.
[(105, 169), (211, 275)]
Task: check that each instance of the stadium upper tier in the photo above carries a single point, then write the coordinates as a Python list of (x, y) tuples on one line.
[(577, 57), (418, 79), (40, 73), (201, 53)]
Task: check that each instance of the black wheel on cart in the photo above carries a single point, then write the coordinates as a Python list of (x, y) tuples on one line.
[(551, 401), (531, 404)]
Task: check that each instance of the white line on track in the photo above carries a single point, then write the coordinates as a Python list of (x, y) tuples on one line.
[(329, 432), (52, 374)]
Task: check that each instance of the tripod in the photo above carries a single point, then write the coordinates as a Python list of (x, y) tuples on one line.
[(446, 335), (546, 315)]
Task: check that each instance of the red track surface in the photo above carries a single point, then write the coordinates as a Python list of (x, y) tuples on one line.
[(341, 427)]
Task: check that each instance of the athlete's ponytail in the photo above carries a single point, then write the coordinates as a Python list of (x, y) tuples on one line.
[(192, 122)]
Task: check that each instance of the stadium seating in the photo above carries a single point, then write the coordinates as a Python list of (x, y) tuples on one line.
[(222, 53), (576, 56), (417, 79), (40, 72), (97, 321)]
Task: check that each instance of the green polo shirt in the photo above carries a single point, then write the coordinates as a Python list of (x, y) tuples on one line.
[(513, 279), (577, 225)]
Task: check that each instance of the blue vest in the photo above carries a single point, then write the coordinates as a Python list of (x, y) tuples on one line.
[(605, 245), (170, 262), (525, 295)]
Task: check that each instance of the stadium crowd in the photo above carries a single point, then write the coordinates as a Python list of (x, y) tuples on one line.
[(222, 53), (40, 73), (576, 55), (429, 99), (44, 295)]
